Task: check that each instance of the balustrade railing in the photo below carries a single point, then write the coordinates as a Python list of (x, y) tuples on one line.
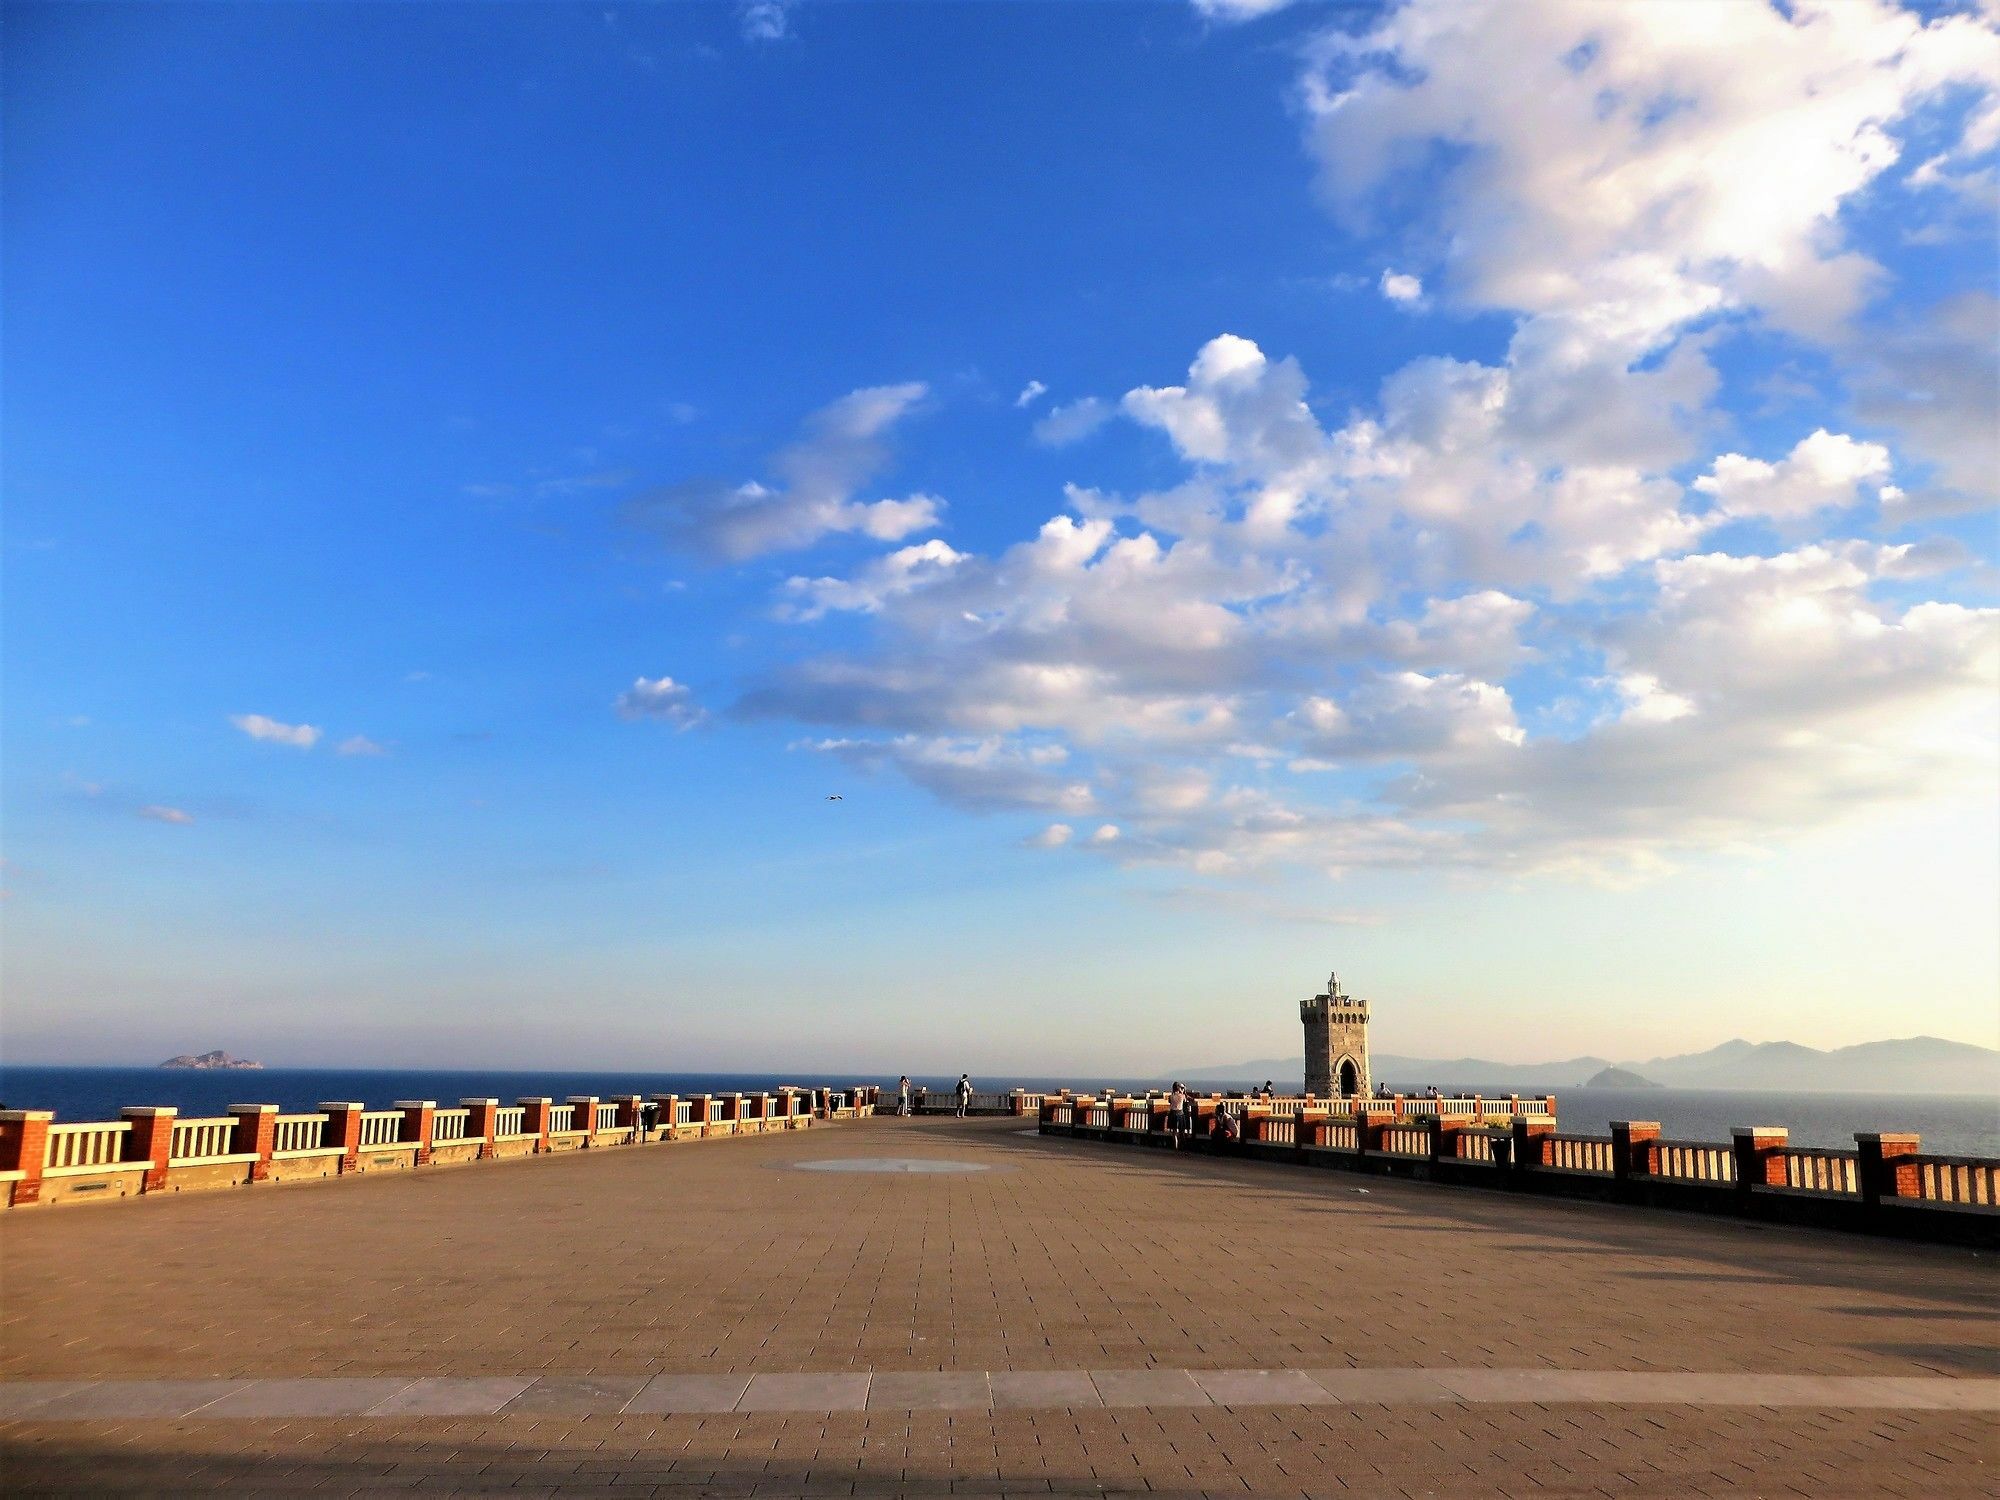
[(448, 1125), (1958, 1179), (562, 1119), (1694, 1161), (1822, 1171), (510, 1121), (97, 1145), (1579, 1153), (607, 1117), (381, 1127), (1406, 1140), (196, 1139), (298, 1133), (1474, 1145), (1341, 1135)]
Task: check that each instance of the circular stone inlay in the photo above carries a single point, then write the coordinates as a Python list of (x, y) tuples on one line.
[(891, 1164)]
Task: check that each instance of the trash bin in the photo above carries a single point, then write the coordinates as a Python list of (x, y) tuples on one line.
[(1503, 1150)]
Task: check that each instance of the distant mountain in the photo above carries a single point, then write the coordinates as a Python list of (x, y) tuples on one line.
[(1911, 1065), (1618, 1078), (209, 1060)]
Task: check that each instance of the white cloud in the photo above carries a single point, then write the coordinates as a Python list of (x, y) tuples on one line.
[(843, 446), (1618, 170), (258, 727), (994, 774), (660, 699), (1072, 423), (764, 20), (1824, 470), (159, 814), (1402, 288), (1238, 10), (873, 584), (1032, 392), (360, 744), (1476, 619), (1052, 837)]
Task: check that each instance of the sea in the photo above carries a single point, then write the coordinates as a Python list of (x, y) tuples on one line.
[(1951, 1125)]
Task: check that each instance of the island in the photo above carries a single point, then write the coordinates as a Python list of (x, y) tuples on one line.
[(209, 1061), (1618, 1078)]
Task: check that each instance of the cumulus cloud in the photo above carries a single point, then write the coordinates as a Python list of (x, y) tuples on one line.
[(1402, 288), (815, 482), (158, 813), (1052, 837), (995, 774), (1238, 10), (1073, 422), (1824, 470), (764, 20), (662, 700), (1613, 168), (271, 731), (1480, 617), (1032, 392)]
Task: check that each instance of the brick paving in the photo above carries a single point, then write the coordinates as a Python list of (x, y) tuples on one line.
[(714, 1259)]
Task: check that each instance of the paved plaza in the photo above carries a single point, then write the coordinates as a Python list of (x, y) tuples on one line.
[(705, 1318)]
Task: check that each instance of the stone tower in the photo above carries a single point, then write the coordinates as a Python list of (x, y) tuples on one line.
[(1336, 1042)]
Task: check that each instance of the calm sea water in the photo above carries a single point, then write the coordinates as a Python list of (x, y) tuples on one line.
[(1951, 1125)]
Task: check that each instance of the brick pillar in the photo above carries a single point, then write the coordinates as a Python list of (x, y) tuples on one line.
[(1887, 1166), (628, 1114), (1632, 1151), (1760, 1155), (417, 1117), (1397, 1105), (1549, 1105), (1368, 1127), (24, 1148), (256, 1135), (584, 1116), (1531, 1142), (1444, 1137), (732, 1106), (343, 1129), (482, 1124), (151, 1138), (1513, 1105), (535, 1118)]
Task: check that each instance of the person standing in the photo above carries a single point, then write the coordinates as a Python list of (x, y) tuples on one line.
[(964, 1094), (903, 1097)]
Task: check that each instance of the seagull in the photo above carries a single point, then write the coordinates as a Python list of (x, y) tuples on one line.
[(836, 797)]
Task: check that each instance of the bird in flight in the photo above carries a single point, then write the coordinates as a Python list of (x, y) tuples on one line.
[(836, 797)]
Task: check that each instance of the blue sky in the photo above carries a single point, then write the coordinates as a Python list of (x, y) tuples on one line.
[(1501, 507)]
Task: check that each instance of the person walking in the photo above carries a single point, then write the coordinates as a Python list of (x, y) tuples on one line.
[(903, 1097), (964, 1094)]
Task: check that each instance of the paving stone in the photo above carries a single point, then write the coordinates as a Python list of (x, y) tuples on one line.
[(577, 1393), (324, 1397), (138, 1398), (1042, 1388), (1148, 1388), (1259, 1387), (807, 1393), (451, 1396), (923, 1390)]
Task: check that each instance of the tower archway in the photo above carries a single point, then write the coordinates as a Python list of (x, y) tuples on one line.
[(1349, 1079)]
